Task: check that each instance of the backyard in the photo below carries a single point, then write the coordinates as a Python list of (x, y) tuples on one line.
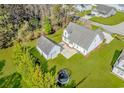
[(113, 20), (94, 70)]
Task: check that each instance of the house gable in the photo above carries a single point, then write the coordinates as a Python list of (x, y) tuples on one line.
[(97, 40), (54, 51)]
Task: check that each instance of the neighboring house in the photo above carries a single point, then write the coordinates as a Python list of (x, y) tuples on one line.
[(81, 38), (104, 11), (118, 67), (47, 48), (118, 7), (83, 7)]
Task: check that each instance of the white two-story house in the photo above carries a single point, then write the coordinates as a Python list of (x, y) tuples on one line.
[(81, 38)]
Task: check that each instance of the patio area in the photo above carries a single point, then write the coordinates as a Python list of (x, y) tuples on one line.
[(67, 52)]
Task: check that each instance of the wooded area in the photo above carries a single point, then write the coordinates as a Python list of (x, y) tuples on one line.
[(28, 22)]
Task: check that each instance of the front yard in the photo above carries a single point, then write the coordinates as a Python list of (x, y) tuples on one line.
[(113, 20)]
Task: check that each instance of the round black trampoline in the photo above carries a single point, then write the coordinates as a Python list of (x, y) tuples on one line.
[(63, 77)]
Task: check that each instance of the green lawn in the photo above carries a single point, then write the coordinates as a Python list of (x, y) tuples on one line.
[(113, 20), (57, 36), (81, 14), (93, 70), (7, 55)]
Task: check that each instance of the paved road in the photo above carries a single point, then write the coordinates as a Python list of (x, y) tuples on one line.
[(119, 29)]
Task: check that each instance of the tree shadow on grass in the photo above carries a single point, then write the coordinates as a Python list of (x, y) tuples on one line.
[(11, 81), (2, 64), (82, 80), (115, 57)]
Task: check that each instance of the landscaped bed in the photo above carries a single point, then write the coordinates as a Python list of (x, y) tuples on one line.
[(113, 20)]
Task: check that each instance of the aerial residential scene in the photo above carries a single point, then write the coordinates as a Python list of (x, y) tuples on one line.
[(62, 46)]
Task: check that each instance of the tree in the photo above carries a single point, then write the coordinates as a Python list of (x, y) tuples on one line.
[(5, 39), (31, 73), (47, 26)]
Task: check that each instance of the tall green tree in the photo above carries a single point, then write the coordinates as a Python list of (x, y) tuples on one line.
[(32, 74), (47, 26)]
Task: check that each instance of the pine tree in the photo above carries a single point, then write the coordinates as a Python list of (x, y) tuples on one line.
[(47, 26), (32, 75)]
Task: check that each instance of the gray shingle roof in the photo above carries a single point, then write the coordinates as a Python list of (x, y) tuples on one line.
[(45, 44), (81, 35), (104, 9)]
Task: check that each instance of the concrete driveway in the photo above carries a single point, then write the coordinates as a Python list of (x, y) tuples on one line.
[(119, 28), (67, 52)]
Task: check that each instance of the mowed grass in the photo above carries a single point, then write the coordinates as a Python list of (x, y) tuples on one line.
[(7, 55), (113, 20), (93, 70), (57, 36)]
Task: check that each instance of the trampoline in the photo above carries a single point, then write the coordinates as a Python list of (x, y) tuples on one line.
[(63, 77)]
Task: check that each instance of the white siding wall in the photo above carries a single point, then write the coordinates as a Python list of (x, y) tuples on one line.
[(121, 9), (118, 72), (113, 12), (80, 49), (65, 40), (54, 52), (65, 33), (95, 43)]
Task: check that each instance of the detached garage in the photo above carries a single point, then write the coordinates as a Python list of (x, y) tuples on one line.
[(47, 48)]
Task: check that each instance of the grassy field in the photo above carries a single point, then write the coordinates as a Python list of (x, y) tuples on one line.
[(113, 20), (93, 70), (7, 55)]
